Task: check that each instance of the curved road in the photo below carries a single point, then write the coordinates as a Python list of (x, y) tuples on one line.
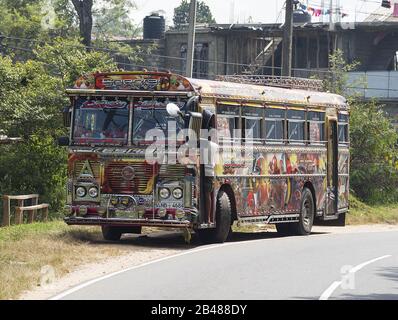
[(321, 266)]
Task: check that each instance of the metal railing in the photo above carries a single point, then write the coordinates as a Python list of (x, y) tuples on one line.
[(275, 81)]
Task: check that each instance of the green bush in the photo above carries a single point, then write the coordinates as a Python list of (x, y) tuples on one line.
[(374, 169), (31, 99), (35, 166)]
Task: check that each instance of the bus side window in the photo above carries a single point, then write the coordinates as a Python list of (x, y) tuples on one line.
[(252, 122), (274, 125), (316, 127), (343, 128), (227, 121), (296, 126), (226, 126)]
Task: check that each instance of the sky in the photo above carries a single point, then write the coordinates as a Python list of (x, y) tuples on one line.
[(265, 11)]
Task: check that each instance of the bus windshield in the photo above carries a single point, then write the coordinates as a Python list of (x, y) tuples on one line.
[(148, 116), (101, 121)]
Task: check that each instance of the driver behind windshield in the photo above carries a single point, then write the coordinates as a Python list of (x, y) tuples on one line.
[(101, 121)]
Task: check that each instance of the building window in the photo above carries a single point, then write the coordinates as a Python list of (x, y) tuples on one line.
[(201, 57)]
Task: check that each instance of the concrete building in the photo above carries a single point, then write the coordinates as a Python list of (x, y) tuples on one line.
[(227, 49)]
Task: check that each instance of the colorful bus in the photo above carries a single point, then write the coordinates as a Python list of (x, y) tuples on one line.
[(295, 174)]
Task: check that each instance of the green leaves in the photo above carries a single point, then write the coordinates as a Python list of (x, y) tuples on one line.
[(37, 64), (374, 156), (181, 14)]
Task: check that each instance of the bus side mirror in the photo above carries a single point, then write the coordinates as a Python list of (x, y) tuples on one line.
[(63, 141), (173, 110), (67, 116)]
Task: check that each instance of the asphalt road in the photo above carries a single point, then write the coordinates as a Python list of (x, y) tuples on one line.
[(262, 266)]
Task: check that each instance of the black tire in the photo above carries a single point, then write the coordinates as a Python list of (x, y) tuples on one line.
[(284, 229), (306, 220), (220, 233), (115, 233), (304, 226), (111, 233), (135, 230)]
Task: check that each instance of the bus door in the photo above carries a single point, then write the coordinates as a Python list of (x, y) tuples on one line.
[(332, 167)]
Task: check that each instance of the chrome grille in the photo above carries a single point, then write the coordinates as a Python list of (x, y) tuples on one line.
[(142, 183), (171, 171)]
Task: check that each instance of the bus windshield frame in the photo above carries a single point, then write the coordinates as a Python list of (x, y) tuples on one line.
[(101, 122)]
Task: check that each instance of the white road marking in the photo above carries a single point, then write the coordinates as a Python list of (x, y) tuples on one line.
[(90, 282), (329, 291)]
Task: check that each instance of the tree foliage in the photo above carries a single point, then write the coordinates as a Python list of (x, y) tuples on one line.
[(181, 14), (374, 153), (374, 166), (31, 98), (33, 79)]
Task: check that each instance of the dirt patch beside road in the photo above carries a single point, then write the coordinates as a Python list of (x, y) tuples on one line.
[(35, 256)]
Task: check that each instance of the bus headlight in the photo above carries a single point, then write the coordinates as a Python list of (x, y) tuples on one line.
[(177, 193), (164, 193), (93, 192), (81, 192)]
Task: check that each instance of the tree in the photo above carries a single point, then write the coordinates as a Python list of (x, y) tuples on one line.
[(374, 153), (181, 14), (31, 98), (113, 20), (37, 63), (374, 166), (84, 11), (336, 79)]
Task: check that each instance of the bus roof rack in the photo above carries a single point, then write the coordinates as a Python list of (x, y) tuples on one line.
[(275, 81)]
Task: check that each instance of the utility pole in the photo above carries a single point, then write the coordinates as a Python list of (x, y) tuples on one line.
[(191, 38), (332, 12), (288, 41)]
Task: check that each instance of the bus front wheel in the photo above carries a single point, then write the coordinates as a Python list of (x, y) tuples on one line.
[(220, 233), (115, 233)]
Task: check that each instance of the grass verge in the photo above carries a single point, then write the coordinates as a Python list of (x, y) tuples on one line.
[(361, 213), (25, 249)]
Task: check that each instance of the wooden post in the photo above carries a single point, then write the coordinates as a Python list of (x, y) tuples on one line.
[(6, 211), (33, 214), (19, 212), (45, 212)]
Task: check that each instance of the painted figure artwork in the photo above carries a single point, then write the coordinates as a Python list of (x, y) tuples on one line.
[(271, 184)]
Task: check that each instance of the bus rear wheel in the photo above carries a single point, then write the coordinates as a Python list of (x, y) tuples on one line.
[(304, 226), (115, 233), (220, 233)]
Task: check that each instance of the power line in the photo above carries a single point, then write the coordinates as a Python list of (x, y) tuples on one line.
[(150, 55), (365, 88)]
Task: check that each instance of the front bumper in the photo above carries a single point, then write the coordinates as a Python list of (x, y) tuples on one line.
[(99, 221)]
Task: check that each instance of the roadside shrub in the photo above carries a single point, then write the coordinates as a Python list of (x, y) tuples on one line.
[(374, 166)]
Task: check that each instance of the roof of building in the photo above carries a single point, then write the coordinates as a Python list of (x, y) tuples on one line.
[(381, 15), (374, 21)]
